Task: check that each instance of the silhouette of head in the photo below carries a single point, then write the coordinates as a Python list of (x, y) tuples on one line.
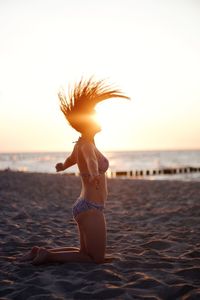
[(79, 107)]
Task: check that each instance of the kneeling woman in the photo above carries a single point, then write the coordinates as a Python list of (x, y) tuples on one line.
[(88, 210)]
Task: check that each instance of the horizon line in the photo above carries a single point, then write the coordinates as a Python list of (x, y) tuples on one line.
[(120, 150)]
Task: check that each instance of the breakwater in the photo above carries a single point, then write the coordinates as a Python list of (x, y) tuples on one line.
[(164, 171)]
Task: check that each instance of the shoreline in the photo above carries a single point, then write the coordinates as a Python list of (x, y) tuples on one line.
[(153, 233), (153, 175)]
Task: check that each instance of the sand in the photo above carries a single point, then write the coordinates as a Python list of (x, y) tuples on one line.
[(153, 233)]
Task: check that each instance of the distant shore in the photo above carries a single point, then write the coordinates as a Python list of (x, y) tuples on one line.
[(153, 235), (178, 174)]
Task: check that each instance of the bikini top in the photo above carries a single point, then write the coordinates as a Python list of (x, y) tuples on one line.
[(103, 162)]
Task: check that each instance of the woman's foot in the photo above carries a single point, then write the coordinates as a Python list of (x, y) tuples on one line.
[(42, 257), (30, 255)]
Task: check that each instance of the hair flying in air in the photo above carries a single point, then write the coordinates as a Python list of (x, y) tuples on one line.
[(82, 99)]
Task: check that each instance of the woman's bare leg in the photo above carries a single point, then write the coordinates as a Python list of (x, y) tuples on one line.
[(65, 254), (34, 251), (31, 255), (64, 249), (94, 229), (93, 232), (61, 249), (45, 256)]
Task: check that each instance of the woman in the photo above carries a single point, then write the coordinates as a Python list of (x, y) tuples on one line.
[(88, 210)]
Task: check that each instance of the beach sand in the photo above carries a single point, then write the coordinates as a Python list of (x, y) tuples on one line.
[(153, 233)]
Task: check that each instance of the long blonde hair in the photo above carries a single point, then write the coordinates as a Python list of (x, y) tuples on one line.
[(82, 99)]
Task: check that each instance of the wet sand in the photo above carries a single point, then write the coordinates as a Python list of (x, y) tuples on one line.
[(153, 233)]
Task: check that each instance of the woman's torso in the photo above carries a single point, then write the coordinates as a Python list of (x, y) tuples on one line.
[(89, 190)]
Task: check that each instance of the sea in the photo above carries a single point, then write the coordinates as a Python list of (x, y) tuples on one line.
[(181, 165)]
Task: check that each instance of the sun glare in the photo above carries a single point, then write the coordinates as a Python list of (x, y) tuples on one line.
[(113, 114)]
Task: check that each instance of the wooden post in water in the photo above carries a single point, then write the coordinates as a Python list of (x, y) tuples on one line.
[(121, 173), (167, 171)]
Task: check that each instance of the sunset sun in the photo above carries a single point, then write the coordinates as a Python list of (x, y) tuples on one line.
[(112, 114)]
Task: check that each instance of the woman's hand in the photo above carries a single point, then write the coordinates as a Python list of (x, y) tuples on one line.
[(95, 180), (59, 167)]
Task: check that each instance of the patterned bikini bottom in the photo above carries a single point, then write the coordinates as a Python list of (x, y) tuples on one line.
[(82, 205)]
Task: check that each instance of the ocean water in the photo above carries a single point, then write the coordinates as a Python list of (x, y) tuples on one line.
[(119, 161)]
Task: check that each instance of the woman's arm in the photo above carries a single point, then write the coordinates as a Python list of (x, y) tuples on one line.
[(70, 161), (90, 158), (92, 163)]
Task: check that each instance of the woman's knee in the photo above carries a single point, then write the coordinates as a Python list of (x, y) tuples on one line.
[(97, 259)]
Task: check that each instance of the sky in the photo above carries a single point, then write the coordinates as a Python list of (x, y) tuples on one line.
[(149, 49)]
